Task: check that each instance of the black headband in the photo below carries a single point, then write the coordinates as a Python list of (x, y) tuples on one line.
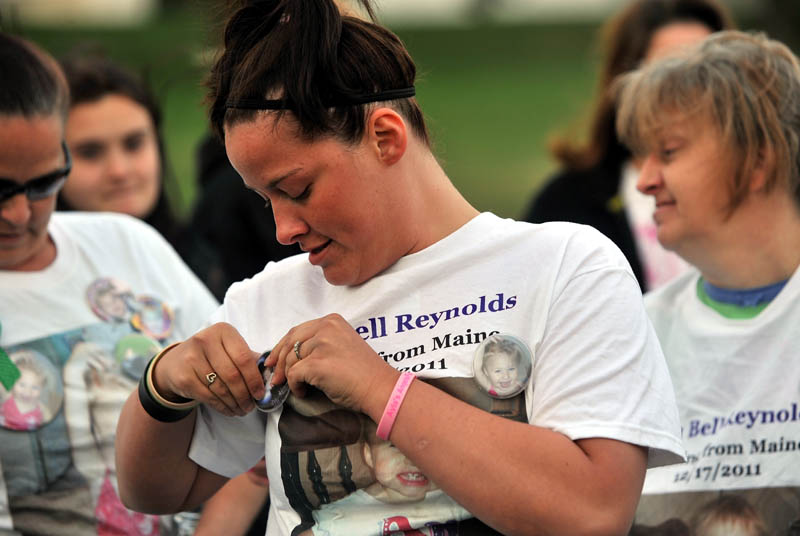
[(285, 104)]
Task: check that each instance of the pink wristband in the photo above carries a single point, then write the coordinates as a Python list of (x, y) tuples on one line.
[(393, 405)]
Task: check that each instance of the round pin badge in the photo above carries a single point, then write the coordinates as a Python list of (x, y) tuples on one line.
[(35, 394), (502, 365), (152, 317), (275, 395), (110, 299)]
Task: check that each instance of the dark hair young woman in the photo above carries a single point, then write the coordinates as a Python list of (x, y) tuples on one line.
[(401, 279)]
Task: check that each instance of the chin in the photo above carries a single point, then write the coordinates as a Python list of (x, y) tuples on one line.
[(337, 280), (667, 240), (342, 278)]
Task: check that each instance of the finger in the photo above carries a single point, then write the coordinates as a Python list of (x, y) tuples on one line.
[(295, 377), (284, 350), (276, 360), (299, 350), (277, 357), (240, 371), (219, 394), (228, 385), (298, 370)]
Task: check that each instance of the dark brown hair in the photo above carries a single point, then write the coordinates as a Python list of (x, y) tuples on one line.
[(92, 76), (625, 41), (310, 54)]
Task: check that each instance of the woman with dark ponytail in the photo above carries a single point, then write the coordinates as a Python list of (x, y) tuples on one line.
[(401, 280)]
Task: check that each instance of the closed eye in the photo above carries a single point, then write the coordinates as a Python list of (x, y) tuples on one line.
[(668, 150), (302, 195)]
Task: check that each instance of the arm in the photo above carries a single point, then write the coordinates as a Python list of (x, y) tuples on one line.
[(235, 506), (586, 487), (592, 483), (170, 481)]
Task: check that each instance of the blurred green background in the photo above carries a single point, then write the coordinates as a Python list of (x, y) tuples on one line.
[(493, 94)]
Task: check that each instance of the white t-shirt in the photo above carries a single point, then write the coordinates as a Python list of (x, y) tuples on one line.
[(738, 395), (56, 453), (563, 289)]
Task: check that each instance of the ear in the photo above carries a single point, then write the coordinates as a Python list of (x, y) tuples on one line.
[(387, 134), (762, 171)]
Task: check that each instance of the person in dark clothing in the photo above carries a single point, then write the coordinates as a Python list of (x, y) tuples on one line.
[(590, 187), (231, 222)]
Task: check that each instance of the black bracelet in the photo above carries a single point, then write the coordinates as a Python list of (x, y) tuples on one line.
[(150, 403)]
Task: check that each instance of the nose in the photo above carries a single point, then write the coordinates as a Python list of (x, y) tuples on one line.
[(289, 226), (16, 210), (117, 163), (650, 178)]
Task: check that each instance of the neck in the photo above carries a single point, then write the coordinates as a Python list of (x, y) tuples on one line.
[(439, 209), (40, 260), (759, 245)]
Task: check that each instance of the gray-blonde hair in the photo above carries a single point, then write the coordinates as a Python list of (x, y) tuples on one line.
[(746, 84)]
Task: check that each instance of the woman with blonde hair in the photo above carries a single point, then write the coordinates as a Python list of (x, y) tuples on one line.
[(718, 133)]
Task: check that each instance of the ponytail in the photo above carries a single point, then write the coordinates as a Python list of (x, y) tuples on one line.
[(305, 57)]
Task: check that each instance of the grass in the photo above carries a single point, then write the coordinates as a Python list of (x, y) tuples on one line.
[(492, 95)]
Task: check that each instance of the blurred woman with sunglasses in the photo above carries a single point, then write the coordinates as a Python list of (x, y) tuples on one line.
[(58, 475)]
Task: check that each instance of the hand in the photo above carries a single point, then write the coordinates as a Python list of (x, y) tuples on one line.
[(218, 352), (334, 358)]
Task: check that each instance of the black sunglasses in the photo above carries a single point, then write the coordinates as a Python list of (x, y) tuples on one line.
[(40, 187)]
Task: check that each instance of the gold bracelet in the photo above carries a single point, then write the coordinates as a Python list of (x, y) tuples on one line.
[(152, 389)]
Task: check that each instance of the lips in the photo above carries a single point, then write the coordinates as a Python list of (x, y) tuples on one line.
[(11, 238), (314, 251), (412, 478), (662, 206), (315, 254)]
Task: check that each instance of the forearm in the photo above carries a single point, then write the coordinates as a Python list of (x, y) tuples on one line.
[(233, 508), (518, 478), (214, 367), (153, 468)]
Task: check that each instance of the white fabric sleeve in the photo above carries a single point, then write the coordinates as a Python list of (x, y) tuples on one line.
[(228, 446), (599, 371)]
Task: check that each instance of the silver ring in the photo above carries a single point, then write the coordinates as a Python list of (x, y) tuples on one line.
[(211, 377), (297, 350)]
